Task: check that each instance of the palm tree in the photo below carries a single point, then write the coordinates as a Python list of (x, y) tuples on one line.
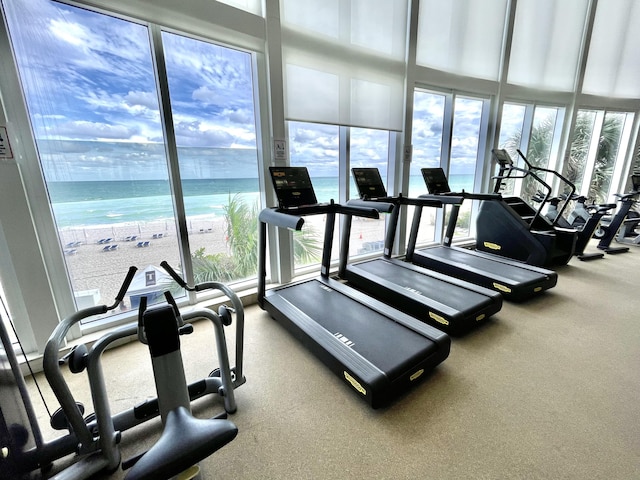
[(537, 153), (242, 240), (607, 149)]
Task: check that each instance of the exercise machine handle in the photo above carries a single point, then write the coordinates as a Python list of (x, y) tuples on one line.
[(178, 279), (124, 287), (52, 370), (235, 302), (281, 219), (381, 206)]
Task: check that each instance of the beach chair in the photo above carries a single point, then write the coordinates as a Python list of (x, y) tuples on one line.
[(106, 248), (140, 244)]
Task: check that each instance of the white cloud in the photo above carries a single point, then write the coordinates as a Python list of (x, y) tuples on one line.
[(92, 130), (144, 99)]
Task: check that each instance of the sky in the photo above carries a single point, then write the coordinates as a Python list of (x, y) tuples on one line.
[(92, 95)]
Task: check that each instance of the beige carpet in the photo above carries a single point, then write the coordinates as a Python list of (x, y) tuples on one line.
[(549, 389)]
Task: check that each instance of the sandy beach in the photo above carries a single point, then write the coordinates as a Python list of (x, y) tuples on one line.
[(98, 258)]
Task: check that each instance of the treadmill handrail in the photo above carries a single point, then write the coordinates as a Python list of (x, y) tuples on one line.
[(454, 199), (291, 218), (385, 205), (281, 219), (477, 196)]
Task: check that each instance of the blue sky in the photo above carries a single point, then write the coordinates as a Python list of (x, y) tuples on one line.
[(89, 78)]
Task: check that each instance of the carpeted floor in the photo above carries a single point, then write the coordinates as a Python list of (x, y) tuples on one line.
[(548, 389)]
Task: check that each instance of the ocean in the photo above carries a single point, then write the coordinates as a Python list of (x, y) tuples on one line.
[(97, 203)]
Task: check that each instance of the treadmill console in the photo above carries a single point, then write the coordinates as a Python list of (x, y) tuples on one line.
[(369, 183), (436, 180), (292, 186), (502, 156)]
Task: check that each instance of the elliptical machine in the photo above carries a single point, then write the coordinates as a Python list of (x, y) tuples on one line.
[(585, 219), (622, 224), (95, 439)]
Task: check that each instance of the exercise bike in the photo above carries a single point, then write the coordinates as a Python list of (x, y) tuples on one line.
[(95, 439)]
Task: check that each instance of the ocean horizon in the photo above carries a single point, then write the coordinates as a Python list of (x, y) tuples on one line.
[(82, 204)]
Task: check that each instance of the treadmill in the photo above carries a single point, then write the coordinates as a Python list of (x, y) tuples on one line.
[(378, 351), (447, 303), (516, 281)]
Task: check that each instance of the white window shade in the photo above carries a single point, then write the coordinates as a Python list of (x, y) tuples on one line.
[(345, 61), (547, 36), (251, 6), (461, 36), (613, 64)]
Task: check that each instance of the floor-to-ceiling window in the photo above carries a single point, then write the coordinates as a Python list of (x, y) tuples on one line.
[(447, 132), (533, 130), (427, 144), (318, 147), (343, 65), (90, 85), (464, 156), (599, 138), (211, 92), (370, 149)]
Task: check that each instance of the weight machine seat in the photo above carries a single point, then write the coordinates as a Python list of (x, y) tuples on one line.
[(184, 442)]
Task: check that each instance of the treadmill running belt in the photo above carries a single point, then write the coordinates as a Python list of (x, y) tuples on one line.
[(514, 280), (389, 346), (458, 298), (499, 271)]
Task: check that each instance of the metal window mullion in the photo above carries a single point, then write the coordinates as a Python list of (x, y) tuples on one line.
[(344, 163), (171, 149)]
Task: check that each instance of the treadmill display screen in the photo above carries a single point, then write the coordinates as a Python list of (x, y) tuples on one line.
[(436, 180), (293, 186), (502, 156), (369, 183)]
